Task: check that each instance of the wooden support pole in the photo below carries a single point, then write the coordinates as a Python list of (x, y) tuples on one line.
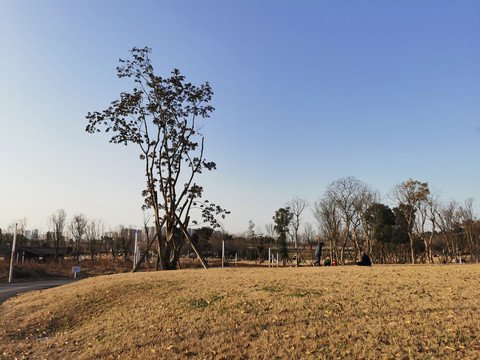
[(148, 247), (189, 238)]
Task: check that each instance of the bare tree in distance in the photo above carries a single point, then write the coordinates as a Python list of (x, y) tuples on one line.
[(447, 219), (363, 201), (344, 193), (78, 227), (328, 221), (94, 232), (21, 225), (160, 116), (308, 233), (57, 222), (425, 223), (296, 205), (467, 218), (270, 229), (408, 195)]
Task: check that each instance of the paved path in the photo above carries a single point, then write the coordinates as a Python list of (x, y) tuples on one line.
[(9, 290)]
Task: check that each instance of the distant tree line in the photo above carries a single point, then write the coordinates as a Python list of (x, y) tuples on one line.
[(418, 228), (350, 219), (85, 237)]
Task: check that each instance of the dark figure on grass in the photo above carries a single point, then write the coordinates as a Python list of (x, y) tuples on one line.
[(328, 262), (365, 261), (318, 253)]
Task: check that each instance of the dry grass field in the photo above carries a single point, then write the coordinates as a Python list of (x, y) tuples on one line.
[(379, 312)]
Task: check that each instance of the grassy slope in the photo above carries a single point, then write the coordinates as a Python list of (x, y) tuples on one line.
[(343, 312)]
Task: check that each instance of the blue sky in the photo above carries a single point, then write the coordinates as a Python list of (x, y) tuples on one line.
[(306, 92)]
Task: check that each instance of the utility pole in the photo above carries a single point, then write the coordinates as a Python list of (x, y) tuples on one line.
[(135, 251), (223, 252), (10, 276)]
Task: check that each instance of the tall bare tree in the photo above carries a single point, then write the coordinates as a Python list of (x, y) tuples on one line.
[(78, 227), (94, 232), (160, 116), (363, 201), (344, 193), (467, 218), (296, 205), (326, 214), (425, 224), (408, 195), (57, 222), (447, 219)]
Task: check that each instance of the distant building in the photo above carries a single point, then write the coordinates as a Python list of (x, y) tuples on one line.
[(31, 234), (151, 233), (135, 232)]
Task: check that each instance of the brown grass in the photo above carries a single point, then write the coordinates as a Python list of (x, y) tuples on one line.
[(382, 312)]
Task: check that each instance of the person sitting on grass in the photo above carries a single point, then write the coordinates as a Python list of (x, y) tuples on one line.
[(328, 262), (365, 261)]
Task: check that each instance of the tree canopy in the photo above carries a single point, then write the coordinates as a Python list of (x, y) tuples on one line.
[(161, 116), (283, 218)]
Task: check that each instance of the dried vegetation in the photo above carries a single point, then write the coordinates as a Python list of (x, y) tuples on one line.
[(382, 312), (40, 271)]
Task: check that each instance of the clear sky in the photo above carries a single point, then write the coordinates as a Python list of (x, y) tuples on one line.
[(306, 92)]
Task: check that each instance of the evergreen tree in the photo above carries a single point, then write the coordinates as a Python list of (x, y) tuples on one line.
[(282, 219)]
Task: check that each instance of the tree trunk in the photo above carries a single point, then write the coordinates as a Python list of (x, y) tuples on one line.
[(332, 250), (344, 245), (357, 246), (412, 252), (57, 243)]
